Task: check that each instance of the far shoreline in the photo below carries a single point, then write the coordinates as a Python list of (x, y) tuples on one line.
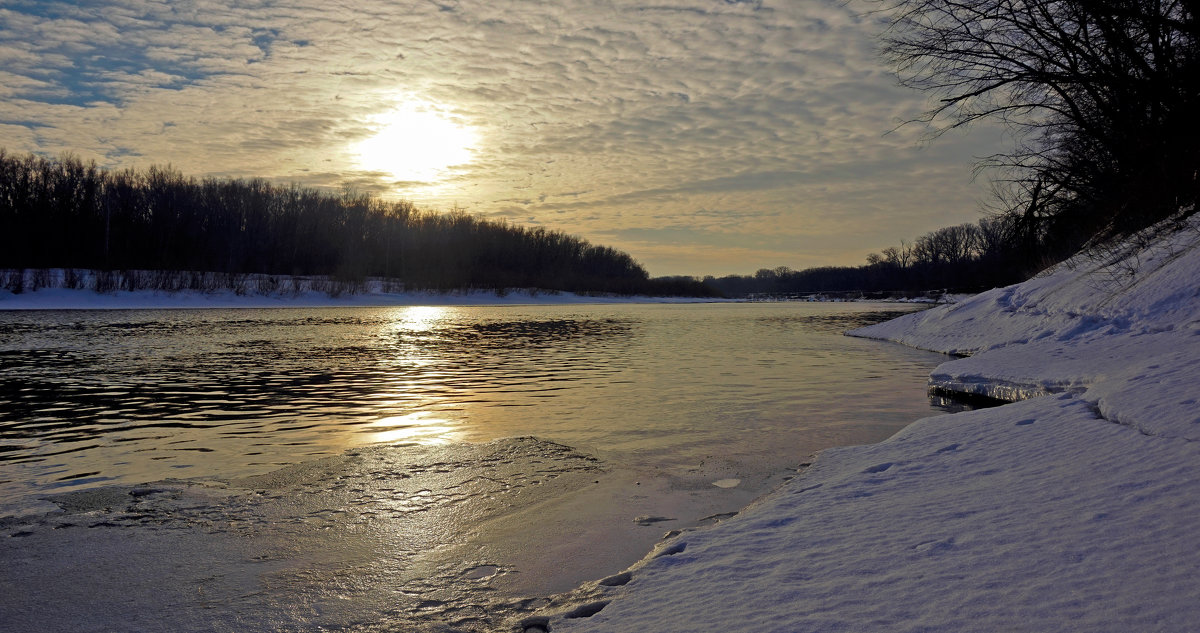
[(73, 289), (81, 299), (71, 299)]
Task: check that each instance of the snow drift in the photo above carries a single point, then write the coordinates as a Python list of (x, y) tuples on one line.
[(1122, 330)]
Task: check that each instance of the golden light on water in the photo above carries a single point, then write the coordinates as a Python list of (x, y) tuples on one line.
[(423, 426), (417, 141), (420, 318), (413, 428)]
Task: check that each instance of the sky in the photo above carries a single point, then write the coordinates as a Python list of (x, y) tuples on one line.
[(703, 137)]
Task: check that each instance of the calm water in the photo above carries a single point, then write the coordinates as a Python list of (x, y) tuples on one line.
[(90, 398)]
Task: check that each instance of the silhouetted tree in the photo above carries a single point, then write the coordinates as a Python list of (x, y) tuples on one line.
[(1102, 93)]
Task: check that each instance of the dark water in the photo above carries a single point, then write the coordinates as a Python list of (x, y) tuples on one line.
[(90, 398)]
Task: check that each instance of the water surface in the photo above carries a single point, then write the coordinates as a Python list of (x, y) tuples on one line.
[(100, 397), (415, 469)]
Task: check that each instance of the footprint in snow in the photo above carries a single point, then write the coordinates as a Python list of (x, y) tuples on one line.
[(617, 580), (586, 610), (672, 550)]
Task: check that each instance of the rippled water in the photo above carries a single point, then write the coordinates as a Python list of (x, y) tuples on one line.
[(97, 397)]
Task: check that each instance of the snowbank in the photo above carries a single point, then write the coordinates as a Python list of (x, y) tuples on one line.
[(1122, 332), (304, 295), (1072, 510)]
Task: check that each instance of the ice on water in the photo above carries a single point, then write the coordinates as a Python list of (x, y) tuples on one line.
[(373, 536)]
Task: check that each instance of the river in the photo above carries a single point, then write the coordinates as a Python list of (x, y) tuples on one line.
[(471, 460)]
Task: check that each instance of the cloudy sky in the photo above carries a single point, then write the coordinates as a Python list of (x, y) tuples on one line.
[(701, 136)]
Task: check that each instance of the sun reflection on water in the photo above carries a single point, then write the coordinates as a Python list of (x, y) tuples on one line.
[(420, 423), (411, 428), (420, 318)]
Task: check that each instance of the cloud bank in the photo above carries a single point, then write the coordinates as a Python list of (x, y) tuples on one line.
[(702, 136)]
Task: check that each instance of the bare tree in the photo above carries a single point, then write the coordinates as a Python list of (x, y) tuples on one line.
[(1102, 95), (995, 235), (958, 243)]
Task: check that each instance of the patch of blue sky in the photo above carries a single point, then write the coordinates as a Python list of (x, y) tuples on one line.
[(88, 53)]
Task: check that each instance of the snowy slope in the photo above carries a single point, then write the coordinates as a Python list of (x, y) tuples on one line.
[(1070, 511), (1128, 291), (1034, 520), (1123, 332)]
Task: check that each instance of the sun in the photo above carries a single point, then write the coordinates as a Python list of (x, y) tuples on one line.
[(416, 142)]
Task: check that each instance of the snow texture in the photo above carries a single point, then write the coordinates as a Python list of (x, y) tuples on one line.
[(1122, 331), (1074, 509)]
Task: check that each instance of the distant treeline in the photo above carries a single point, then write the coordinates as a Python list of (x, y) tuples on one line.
[(962, 258), (65, 213)]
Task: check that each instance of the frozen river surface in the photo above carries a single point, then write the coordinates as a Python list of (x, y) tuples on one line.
[(356, 468)]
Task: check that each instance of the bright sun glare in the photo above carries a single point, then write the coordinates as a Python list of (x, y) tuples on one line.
[(416, 141)]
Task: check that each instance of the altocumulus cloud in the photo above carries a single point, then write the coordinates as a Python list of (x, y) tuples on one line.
[(704, 136)]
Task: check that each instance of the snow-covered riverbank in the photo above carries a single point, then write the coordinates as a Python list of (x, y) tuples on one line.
[(374, 295), (1074, 509)]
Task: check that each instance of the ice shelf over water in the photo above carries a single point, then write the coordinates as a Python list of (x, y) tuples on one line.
[(1074, 509)]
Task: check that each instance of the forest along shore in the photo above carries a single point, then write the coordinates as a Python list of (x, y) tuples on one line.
[(1073, 509)]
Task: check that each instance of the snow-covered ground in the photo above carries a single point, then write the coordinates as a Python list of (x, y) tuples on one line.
[(1072, 510), (260, 291)]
